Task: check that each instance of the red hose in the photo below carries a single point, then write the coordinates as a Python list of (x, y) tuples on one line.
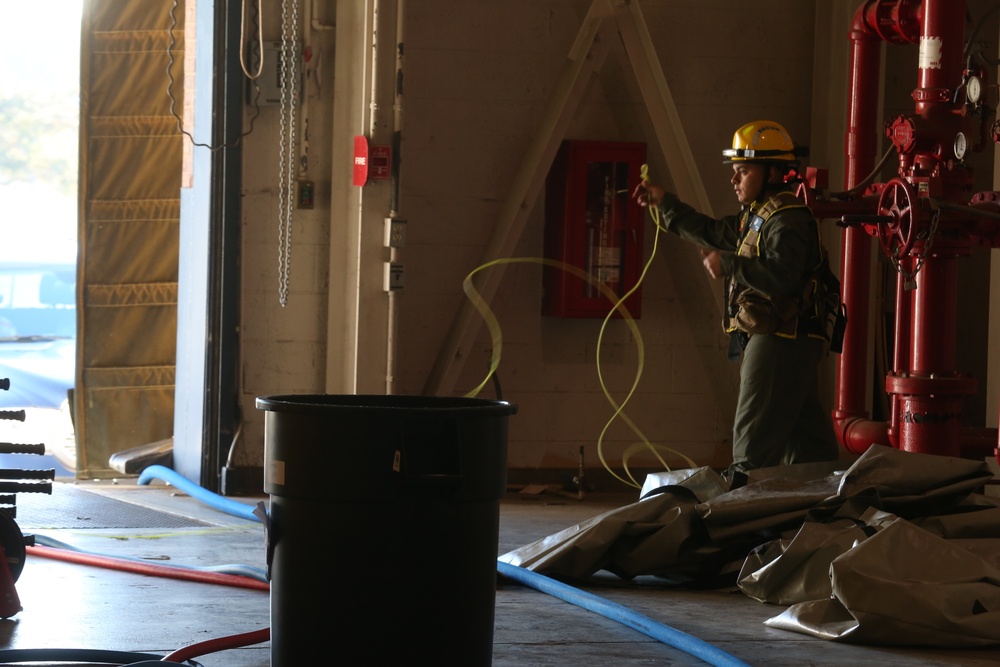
[(148, 568), (219, 644)]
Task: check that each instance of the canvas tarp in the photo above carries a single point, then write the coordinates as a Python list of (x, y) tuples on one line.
[(898, 548), (130, 181)]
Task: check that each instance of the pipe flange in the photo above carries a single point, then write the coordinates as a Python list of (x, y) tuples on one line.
[(925, 385)]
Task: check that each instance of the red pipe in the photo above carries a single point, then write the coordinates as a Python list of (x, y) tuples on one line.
[(930, 393), (900, 350), (850, 416), (935, 312), (904, 302), (218, 644), (925, 389), (125, 565), (940, 65)]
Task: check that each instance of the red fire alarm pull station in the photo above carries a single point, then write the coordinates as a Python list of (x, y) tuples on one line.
[(592, 223), (374, 162), (360, 160), (379, 162)]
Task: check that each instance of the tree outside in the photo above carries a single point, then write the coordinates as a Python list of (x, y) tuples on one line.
[(39, 149), (39, 121)]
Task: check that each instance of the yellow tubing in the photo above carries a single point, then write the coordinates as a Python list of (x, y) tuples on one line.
[(496, 335)]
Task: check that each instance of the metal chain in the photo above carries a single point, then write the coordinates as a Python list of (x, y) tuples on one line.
[(910, 277), (286, 142)]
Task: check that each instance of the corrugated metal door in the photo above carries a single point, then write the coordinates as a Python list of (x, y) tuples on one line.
[(130, 179)]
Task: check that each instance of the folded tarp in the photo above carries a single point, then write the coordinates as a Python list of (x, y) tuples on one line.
[(852, 550), (903, 586)]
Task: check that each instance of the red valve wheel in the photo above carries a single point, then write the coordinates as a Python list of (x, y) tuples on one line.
[(898, 201)]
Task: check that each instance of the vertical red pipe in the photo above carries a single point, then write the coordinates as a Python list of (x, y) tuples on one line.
[(850, 415), (942, 44), (901, 329), (930, 395), (934, 317), (901, 349)]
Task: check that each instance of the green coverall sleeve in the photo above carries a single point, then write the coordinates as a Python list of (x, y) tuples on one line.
[(703, 230)]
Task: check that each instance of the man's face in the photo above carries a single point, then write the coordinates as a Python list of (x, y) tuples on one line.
[(748, 180)]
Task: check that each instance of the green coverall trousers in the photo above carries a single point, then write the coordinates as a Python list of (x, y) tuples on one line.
[(779, 418)]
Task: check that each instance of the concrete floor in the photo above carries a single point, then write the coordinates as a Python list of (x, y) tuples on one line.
[(69, 605)]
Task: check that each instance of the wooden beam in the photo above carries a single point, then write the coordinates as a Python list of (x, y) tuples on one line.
[(663, 115), (660, 106), (586, 56)]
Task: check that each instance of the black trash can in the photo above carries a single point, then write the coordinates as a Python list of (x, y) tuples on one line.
[(384, 520)]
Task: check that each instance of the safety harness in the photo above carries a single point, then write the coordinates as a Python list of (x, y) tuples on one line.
[(751, 312)]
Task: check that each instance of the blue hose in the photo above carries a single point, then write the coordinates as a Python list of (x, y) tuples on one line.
[(616, 612), (221, 503)]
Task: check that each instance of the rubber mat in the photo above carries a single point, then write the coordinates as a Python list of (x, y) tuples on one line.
[(72, 507)]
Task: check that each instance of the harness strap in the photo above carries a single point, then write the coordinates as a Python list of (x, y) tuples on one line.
[(751, 227), (754, 221)]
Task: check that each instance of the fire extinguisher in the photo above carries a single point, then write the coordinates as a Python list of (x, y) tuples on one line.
[(605, 221)]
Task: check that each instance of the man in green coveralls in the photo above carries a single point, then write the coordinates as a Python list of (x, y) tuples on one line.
[(767, 255)]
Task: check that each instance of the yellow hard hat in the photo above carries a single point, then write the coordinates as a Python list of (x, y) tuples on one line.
[(763, 141)]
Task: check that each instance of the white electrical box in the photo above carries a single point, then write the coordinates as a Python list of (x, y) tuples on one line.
[(393, 277), (394, 235), (269, 81)]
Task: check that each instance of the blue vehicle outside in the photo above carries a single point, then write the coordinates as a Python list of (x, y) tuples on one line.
[(37, 334), (38, 360)]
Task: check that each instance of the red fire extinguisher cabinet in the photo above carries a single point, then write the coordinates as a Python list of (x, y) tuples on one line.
[(593, 224)]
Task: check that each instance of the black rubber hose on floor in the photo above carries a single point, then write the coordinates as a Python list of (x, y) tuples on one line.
[(85, 655)]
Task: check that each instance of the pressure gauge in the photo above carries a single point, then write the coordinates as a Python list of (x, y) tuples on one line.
[(973, 89), (960, 146)]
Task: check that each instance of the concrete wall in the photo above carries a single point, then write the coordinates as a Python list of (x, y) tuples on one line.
[(473, 102), (479, 77)]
